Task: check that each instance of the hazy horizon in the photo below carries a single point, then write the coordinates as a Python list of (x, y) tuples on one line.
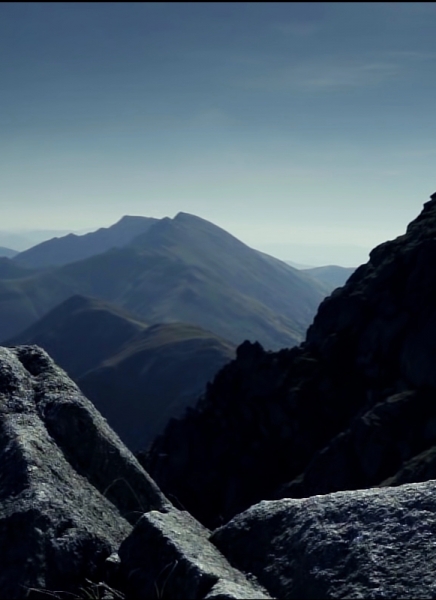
[(305, 130)]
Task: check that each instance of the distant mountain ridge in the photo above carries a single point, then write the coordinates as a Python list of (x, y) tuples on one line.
[(81, 333), (138, 376), (331, 275), (178, 270), (71, 248), (7, 252)]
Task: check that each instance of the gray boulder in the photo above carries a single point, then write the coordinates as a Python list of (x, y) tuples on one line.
[(169, 555), (375, 543), (69, 489)]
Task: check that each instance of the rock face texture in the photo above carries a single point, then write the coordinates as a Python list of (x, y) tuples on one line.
[(169, 555), (348, 408), (69, 490), (360, 544)]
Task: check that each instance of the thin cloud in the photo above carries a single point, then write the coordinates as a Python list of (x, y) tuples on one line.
[(411, 54), (324, 76)]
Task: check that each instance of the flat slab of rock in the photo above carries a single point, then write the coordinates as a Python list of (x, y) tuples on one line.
[(69, 489), (169, 555), (376, 543)]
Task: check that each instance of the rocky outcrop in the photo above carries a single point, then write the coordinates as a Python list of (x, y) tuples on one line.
[(169, 555), (346, 409), (360, 544), (78, 514), (69, 490)]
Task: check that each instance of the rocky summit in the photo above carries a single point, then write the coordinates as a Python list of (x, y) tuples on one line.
[(353, 406)]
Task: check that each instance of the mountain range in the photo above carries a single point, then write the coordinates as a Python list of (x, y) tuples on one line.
[(183, 269), (314, 466), (138, 376)]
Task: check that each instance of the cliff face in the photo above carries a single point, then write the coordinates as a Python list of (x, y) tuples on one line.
[(349, 408)]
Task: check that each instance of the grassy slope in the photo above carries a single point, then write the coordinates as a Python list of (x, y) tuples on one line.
[(81, 333), (137, 376), (156, 376)]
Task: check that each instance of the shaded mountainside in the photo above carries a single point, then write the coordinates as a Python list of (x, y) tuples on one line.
[(10, 270), (353, 406), (70, 248), (331, 275), (81, 333), (181, 270), (137, 376), (154, 378), (7, 252)]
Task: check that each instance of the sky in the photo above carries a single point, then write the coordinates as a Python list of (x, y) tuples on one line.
[(307, 130)]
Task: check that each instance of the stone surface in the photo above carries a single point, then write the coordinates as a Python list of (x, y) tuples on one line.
[(375, 543), (169, 555), (69, 489)]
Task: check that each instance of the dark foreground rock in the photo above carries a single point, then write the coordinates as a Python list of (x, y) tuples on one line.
[(169, 555), (352, 407), (69, 490), (376, 543)]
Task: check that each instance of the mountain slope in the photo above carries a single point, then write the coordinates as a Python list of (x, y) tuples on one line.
[(7, 252), (72, 247), (80, 333), (181, 270), (137, 376), (10, 270), (154, 378), (331, 275), (352, 407)]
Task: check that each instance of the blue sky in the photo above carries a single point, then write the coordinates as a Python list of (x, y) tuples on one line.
[(306, 130)]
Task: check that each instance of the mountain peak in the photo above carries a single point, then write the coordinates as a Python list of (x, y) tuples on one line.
[(184, 216), (71, 248), (129, 219)]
